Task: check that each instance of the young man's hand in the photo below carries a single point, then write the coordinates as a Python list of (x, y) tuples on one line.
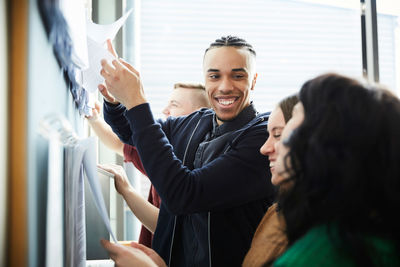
[(122, 82)]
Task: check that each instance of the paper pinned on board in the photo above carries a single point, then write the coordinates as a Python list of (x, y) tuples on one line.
[(90, 166), (97, 36), (74, 14), (55, 203), (100, 33), (91, 77)]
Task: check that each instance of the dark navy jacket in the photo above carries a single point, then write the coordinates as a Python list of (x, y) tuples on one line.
[(214, 189)]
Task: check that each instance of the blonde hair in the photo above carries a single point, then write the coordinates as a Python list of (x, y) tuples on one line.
[(189, 85), (201, 99)]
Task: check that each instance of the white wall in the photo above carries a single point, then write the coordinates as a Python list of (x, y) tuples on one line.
[(3, 129)]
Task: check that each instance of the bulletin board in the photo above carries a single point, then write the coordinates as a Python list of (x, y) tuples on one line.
[(38, 86)]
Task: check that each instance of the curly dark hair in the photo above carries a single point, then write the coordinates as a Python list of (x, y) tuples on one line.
[(233, 41), (345, 164)]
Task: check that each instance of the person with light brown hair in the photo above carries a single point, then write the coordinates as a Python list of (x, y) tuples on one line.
[(186, 98)]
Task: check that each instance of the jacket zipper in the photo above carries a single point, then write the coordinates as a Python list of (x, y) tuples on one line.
[(183, 162), (209, 213), (209, 237), (172, 242)]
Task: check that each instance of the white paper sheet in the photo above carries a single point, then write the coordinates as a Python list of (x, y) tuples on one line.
[(90, 166), (75, 231), (100, 33), (79, 158), (74, 14), (55, 204), (91, 77), (97, 36)]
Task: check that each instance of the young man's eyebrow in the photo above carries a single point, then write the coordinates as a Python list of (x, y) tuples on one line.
[(212, 70), (234, 70), (239, 69)]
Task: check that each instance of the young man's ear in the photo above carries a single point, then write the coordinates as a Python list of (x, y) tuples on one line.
[(253, 82)]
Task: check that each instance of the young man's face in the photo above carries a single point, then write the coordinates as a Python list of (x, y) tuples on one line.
[(180, 102), (229, 77)]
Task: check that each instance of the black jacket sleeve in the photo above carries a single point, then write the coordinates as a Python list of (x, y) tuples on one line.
[(114, 116), (234, 178)]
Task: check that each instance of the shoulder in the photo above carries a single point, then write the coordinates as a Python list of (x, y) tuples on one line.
[(189, 120), (315, 248), (269, 241), (255, 130), (271, 227), (259, 122)]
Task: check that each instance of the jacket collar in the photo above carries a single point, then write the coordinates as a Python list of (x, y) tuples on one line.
[(245, 116)]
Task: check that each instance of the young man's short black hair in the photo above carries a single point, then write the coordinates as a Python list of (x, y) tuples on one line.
[(232, 41)]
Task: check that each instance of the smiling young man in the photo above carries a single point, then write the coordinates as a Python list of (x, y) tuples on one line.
[(229, 77), (214, 184)]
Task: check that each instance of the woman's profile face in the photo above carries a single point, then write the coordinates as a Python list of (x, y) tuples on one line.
[(281, 149), (276, 123)]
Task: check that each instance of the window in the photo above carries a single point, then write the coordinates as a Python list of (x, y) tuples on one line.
[(294, 40), (388, 20)]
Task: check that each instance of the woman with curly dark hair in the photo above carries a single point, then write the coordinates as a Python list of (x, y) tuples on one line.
[(343, 166)]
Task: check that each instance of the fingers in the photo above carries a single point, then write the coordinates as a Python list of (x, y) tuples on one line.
[(123, 82), (114, 250), (127, 256), (129, 66), (151, 253), (109, 98), (107, 70), (111, 74), (117, 64), (110, 247), (110, 168), (111, 48), (143, 248), (95, 114), (117, 170), (97, 107)]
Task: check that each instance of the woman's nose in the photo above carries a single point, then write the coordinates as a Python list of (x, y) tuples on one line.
[(267, 148)]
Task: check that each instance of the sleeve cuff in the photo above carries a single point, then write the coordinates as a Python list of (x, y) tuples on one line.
[(113, 108)]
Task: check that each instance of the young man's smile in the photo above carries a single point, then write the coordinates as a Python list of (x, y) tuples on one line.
[(229, 77)]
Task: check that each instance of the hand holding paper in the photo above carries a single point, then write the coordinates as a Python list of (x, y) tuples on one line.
[(123, 82), (97, 35), (125, 256), (121, 181)]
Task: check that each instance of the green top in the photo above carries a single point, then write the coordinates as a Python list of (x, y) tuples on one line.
[(316, 248)]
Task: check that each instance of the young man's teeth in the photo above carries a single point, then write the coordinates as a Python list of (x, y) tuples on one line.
[(226, 102)]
